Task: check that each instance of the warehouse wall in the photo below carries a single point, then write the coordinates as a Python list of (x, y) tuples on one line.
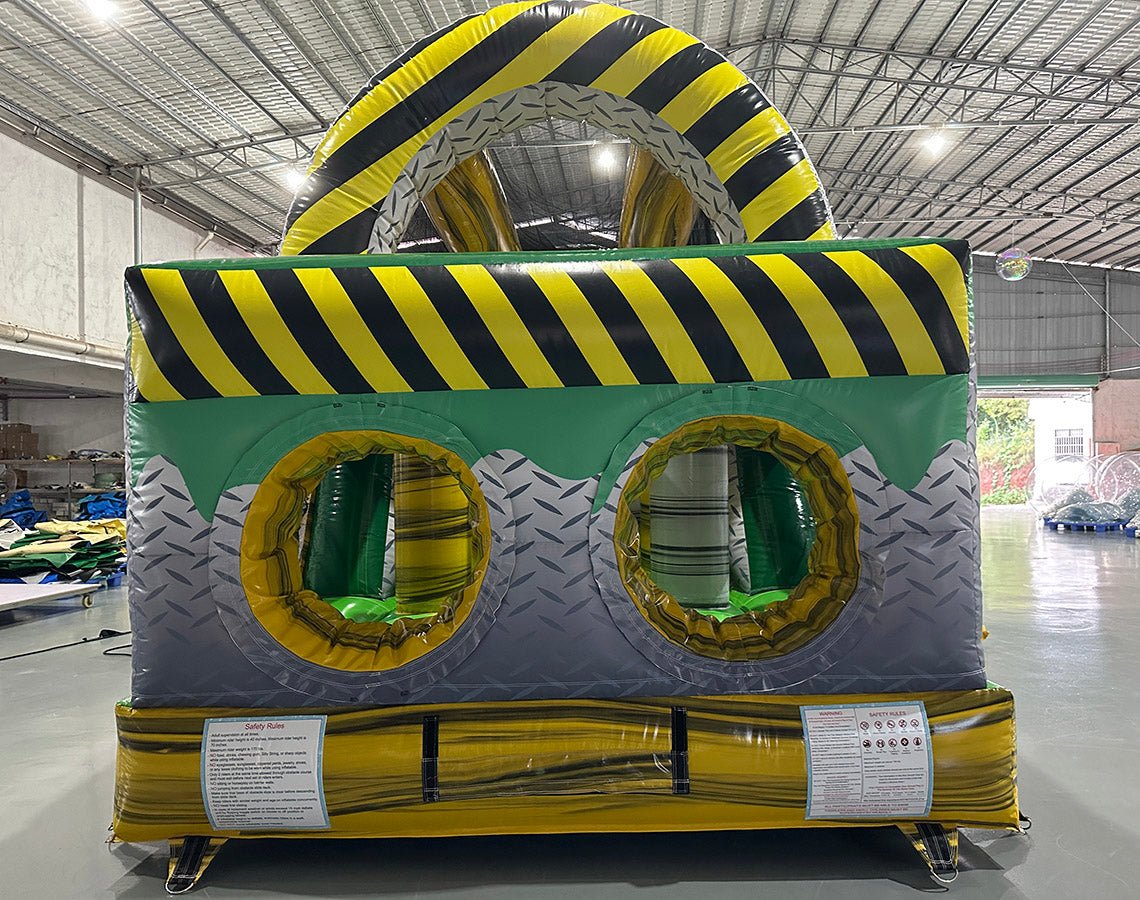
[(65, 425), (1116, 415), (1048, 324), (66, 239)]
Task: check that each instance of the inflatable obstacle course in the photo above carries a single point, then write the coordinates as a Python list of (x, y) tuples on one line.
[(557, 541)]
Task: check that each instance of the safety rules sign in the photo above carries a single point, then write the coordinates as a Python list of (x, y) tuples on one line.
[(868, 761), (264, 773)]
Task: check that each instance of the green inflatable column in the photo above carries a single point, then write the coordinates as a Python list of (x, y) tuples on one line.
[(778, 523), (344, 555)]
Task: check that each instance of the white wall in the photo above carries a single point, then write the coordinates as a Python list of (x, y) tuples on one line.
[(65, 240), (1052, 413), (65, 425)]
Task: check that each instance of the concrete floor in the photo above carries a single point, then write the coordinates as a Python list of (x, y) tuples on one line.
[(1064, 616)]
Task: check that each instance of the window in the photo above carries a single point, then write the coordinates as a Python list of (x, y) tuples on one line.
[(1068, 442)]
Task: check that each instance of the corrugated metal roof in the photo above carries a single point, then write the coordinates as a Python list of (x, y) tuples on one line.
[(1038, 100)]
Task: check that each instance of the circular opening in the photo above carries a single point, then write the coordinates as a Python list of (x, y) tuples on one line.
[(364, 550), (737, 537)]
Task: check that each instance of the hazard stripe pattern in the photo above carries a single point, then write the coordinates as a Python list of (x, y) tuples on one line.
[(353, 325), (748, 144)]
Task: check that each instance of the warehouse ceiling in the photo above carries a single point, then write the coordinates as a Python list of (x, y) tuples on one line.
[(1003, 121)]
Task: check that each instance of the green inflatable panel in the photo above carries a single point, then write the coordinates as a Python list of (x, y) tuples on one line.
[(778, 524), (349, 528), (371, 609)]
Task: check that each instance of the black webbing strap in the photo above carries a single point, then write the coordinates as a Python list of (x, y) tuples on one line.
[(679, 752), (940, 855), (429, 766), (188, 867)]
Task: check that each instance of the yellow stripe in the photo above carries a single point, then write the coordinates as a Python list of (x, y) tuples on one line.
[(702, 94), (264, 322), (641, 60), (762, 130), (665, 329), (193, 334), (414, 74), (152, 384), (895, 309), (369, 186), (822, 322), (350, 330), (825, 232), (948, 275), (428, 328), (745, 330), (505, 326), (778, 199), (586, 329)]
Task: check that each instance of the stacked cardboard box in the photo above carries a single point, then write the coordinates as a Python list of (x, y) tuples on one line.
[(18, 441)]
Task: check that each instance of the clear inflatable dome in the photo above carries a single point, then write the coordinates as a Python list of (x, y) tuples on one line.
[(1068, 480)]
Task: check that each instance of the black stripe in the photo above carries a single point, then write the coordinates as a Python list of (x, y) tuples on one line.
[(674, 75), (460, 78), (762, 170), (467, 327), (679, 750), (723, 120), (545, 326), (389, 329), (429, 760), (304, 322), (232, 334), (705, 330), (859, 317), (926, 298), (788, 333), (800, 222), (604, 48), (350, 236), (624, 327), (165, 348), (400, 61)]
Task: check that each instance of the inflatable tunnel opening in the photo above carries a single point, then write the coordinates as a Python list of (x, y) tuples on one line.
[(385, 537), (365, 549), (737, 537)]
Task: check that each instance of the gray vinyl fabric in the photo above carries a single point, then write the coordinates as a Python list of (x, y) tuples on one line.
[(534, 104), (552, 620)]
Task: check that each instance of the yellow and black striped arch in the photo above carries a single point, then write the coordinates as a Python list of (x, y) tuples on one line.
[(722, 115), (360, 324)]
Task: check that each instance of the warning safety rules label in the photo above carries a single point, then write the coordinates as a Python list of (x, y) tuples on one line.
[(868, 761), (264, 773)]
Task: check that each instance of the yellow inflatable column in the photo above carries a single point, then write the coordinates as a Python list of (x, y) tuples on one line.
[(433, 536), (657, 209), (469, 210)]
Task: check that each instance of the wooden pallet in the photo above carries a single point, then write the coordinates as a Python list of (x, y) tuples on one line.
[(1098, 527)]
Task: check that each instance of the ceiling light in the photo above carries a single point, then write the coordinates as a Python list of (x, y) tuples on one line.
[(936, 143), (295, 178), (102, 9), (606, 158)]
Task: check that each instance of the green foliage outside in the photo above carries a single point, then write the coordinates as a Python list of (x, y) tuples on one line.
[(1005, 450)]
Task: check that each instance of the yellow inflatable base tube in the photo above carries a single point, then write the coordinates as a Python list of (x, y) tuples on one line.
[(547, 767)]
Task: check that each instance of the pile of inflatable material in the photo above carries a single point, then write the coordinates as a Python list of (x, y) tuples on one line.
[(61, 551), (104, 505), (19, 509), (661, 538), (1080, 507)]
